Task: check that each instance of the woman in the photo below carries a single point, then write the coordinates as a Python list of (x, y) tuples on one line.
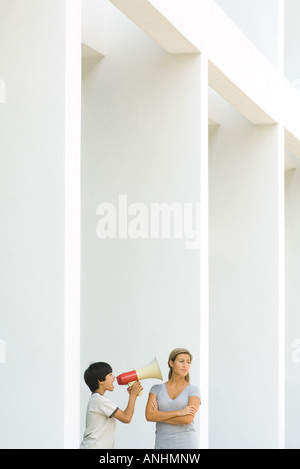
[(174, 404)]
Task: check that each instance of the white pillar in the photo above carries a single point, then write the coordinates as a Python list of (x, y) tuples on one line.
[(2, 351), (246, 291), (204, 271), (40, 208), (2, 91), (292, 346), (72, 225), (292, 307), (281, 228)]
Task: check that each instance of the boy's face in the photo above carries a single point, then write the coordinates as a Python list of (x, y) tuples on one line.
[(108, 384)]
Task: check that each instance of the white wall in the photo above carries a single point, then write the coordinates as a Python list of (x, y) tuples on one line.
[(292, 37), (243, 283), (292, 307), (258, 21), (2, 91), (32, 59), (140, 298)]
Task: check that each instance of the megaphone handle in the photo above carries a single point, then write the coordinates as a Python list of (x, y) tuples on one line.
[(130, 384)]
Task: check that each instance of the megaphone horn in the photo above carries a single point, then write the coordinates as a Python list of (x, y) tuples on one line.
[(150, 371)]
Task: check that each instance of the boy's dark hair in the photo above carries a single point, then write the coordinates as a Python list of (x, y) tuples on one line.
[(96, 371)]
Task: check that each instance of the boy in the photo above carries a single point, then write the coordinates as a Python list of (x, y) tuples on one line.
[(102, 413)]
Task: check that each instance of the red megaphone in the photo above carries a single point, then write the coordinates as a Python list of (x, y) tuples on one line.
[(150, 371)]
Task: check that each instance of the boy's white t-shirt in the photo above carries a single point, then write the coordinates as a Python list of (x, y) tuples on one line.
[(100, 424)]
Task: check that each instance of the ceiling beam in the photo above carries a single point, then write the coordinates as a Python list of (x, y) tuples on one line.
[(144, 14), (238, 71)]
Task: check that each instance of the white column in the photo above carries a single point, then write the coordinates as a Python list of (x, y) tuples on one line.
[(246, 290), (204, 271), (281, 290), (2, 342), (292, 201), (2, 91), (281, 229), (292, 306), (32, 205), (72, 225), (2, 351)]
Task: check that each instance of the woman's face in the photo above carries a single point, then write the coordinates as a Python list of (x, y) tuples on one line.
[(182, 364)]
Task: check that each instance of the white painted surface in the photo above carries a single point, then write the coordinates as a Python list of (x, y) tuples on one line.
[(250, 76), (72, 225), (206, 26), (244, 276), (2, 91), (143, 113), (257, 19), (292, 38), (292, 307), (2, 351), (88, 52), (292, 118), (32, 186), (140, 298), (147, 15), (204, 255), (94, 27)]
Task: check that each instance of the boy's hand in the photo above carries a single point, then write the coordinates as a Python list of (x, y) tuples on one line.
[(135, 389)]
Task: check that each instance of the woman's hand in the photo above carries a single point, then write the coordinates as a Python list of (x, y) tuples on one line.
[(174, 417), (188, 410)]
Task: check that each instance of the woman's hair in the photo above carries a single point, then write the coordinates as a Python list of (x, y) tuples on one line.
[(96, 372), (172, 357)]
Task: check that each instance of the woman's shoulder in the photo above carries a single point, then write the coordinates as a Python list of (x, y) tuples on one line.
[(156, 388), (194, 390)]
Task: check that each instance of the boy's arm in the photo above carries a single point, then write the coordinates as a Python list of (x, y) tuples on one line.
[(126, 415)]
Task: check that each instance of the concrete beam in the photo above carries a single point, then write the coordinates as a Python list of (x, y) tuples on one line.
[(204, 27), (93, 29), (235, 96), (144, 14), (88, 52)]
